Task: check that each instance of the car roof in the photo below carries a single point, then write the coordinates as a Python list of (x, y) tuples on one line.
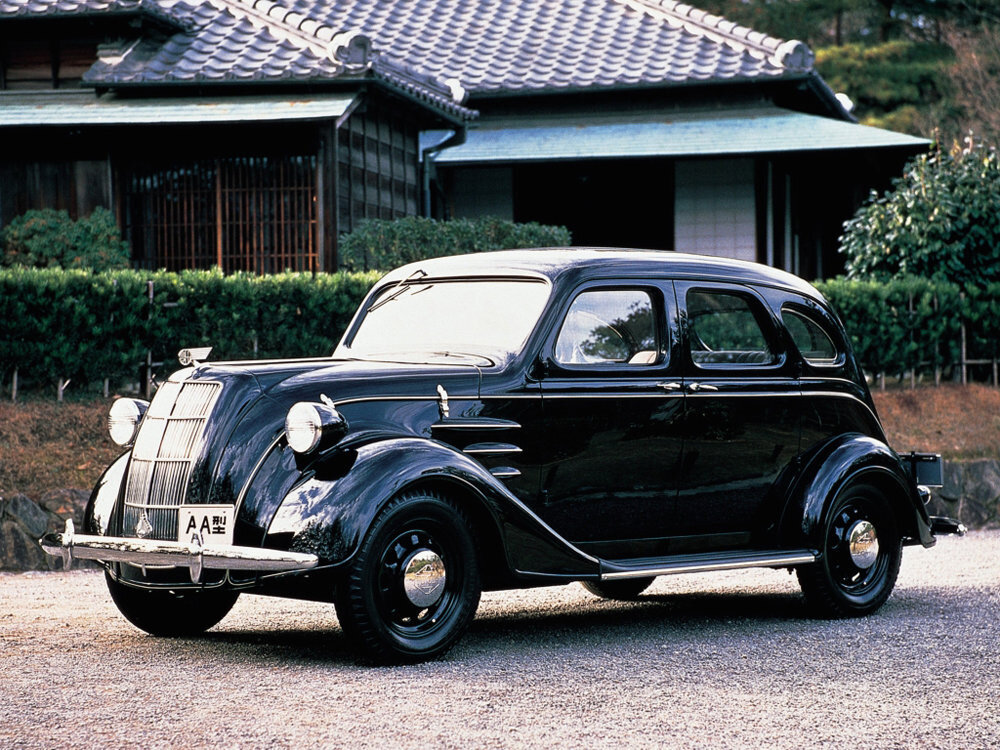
[(554, 262)]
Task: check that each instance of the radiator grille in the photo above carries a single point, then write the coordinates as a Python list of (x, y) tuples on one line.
[(163, 455)]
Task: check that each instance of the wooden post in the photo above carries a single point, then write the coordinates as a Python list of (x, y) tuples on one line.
[(965, 367), (13, 387)]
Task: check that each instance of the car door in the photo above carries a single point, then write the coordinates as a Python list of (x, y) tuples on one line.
[(613, 407), (742, 422)]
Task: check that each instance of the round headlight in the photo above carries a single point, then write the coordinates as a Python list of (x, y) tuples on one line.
[(309, 426), (303, 427), (124, 419)]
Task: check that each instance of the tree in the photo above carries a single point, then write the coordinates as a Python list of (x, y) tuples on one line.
[(920, 66), (939, 221)]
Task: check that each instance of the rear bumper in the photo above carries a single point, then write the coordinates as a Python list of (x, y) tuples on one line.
[(193, 556), (942, 526)]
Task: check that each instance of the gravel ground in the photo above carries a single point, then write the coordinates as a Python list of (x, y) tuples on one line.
[(726, 660)]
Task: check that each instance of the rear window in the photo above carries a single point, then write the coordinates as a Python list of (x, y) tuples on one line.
[(812, 341)]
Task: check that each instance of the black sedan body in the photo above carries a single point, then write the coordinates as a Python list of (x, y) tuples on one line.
[(512, 419)]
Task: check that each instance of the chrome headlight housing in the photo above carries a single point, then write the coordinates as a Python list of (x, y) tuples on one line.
[(310, 426), (124, 418)]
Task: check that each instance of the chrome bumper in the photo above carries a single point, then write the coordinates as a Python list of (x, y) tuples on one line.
[(194, 555)]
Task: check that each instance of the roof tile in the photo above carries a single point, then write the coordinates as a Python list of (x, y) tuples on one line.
[(484, 44)]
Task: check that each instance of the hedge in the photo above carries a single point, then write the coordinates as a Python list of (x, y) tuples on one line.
[(89, 326), (914, 324)]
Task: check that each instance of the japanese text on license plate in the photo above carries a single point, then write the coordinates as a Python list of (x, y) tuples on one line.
[(213, 524)]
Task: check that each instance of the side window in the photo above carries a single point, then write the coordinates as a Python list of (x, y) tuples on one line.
[(723, 330), (609, 327), (813, 343)]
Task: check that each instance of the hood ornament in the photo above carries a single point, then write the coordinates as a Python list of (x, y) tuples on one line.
[(143, 527), (193, 356), (443, 402)]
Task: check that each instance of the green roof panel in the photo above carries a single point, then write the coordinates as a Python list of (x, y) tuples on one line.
[(689, 135), (83, 108)]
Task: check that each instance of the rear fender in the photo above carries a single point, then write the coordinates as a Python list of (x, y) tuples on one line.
[(329, 513), (839, 463)]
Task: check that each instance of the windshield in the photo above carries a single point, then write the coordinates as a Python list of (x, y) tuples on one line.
[(444, 316)]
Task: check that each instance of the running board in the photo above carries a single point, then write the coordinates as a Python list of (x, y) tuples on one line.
[(613, 570)]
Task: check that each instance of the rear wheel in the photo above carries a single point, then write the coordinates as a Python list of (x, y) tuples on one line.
[(171, 613), (623, 590), (860, 558), (413, 587)]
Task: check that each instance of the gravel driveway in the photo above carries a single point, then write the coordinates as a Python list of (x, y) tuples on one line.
[(720, 660)]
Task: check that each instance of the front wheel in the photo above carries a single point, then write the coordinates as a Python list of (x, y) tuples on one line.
[(171, 613), (413, 587), (860, 557)]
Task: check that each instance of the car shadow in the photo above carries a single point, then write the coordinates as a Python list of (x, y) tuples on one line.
[(576, 621)]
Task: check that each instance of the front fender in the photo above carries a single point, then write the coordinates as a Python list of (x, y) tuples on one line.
[(104, 497), (329, 513), (841, 461)]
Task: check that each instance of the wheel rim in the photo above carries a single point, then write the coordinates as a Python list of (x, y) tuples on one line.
[(855, 560), (416, 585)]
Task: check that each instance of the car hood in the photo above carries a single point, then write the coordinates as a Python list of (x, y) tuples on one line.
[(247, 419)]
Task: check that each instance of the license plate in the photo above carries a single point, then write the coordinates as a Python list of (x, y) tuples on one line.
[(212, 523)]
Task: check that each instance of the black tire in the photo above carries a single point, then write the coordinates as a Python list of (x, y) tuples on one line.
[(836, 585), (624, 590), (391, 614), (171, 613)]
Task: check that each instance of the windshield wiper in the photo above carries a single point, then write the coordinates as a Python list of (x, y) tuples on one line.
[(398, 289)]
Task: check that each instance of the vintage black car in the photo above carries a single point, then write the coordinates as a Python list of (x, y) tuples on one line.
[(512, 419)]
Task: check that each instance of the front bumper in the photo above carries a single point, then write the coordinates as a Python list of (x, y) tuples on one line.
[(193, 555)]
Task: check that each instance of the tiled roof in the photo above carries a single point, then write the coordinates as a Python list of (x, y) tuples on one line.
[(518, 45), (487, 46)]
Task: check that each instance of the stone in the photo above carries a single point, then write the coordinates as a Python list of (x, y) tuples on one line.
[(981, 493), (66, 504), (26, 512), (19, 550), (954, 476)]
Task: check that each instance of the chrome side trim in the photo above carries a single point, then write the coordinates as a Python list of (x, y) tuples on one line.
[(194, 556), (505, 472), (476, 424), (777, 560), (490, 449)]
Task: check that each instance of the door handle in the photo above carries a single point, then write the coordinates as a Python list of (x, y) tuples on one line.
[(694, 387), (670, 386)]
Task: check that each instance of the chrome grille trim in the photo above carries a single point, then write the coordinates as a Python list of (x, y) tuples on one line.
[(164, 454)]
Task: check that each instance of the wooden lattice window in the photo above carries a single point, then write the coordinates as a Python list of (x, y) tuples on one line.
[(245, 213)]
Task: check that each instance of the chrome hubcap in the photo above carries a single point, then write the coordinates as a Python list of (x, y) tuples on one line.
[(862, 544), (424, 578)]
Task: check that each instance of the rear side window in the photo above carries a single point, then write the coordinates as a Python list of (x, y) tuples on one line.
[(813, 343), (723, 330)]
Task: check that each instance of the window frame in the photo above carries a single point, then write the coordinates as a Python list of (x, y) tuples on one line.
[(819, 318), (662, 306), (763, 314)]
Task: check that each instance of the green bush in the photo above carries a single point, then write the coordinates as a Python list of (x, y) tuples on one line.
[(940, 221), (384, 245), (90, 326), (50, 239)]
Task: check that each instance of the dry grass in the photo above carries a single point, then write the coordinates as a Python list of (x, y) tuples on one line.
[(46, 445), (953, 420)]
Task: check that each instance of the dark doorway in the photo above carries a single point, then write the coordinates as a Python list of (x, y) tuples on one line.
[(619, 204)]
